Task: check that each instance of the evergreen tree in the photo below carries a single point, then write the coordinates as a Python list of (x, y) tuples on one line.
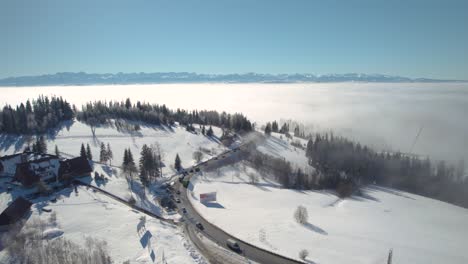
[(178, 163), (203, 130), (274, 127), (145, 164), (83, 151), (210, 132), (89, 155), (268, 129), (41, 145), (57, 152), (125, 159), (103, 153), (110, 155)]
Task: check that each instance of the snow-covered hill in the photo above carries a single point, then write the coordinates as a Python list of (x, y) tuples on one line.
[(172, 141), (356, 230), (86, 213), (279, 146)]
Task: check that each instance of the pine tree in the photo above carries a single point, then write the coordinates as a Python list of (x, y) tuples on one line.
[(110, 155), (41, 145), (88, 152), (178, 163), (203, 131), (268, 129), (83, 151), (145, 164), (125, 159), (210, 132), (103, 153), (274, 127), (57, 152)]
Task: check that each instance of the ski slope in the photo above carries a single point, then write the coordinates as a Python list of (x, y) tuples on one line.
[(355, 230)]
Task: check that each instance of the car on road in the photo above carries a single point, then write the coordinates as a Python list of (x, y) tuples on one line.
[(184, 210), (232, 244), (199, 226), (178, 192), (177, 200)]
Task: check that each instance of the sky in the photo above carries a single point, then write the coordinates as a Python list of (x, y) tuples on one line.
[(413, 38)]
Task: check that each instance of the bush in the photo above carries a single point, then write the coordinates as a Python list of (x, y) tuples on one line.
[(303, 254), (301, 215)]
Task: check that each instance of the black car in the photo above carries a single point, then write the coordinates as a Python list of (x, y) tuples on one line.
[(178, 192), (232, 244), (199, 226), (184, 210)]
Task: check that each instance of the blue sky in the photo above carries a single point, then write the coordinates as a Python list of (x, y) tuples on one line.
[(415, 38)]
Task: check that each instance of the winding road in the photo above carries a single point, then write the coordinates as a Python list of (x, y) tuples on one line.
[(215, 233)]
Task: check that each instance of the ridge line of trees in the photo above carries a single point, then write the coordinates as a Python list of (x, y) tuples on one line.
[(99, 112), (36, 116)]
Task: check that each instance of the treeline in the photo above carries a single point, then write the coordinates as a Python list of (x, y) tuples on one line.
[(99, 112), (285, 173), (339, 159), (36, 116), (345, 165), (298, 130)]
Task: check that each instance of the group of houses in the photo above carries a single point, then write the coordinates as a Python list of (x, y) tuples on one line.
[(29, 168)]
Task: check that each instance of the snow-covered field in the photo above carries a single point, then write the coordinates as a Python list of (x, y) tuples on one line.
[(87, 213), (177, 140), (356, 230)]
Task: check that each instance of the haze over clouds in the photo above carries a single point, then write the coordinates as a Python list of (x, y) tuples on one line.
[(386, 116)]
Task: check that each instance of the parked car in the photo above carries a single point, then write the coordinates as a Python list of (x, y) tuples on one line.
[(177, 200), (184, 210), (199, 226), (178, 192), (232, 244)]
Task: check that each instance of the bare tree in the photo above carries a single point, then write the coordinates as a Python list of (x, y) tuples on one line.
[(197, 156), (301, 215), (303, 254)]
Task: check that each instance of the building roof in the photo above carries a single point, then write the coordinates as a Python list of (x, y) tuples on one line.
[(7, 157), (17, 209), (76, 166)]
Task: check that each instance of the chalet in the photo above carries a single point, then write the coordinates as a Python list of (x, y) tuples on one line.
[(29, 168), (75, 167), (18, 209), (38, 167)]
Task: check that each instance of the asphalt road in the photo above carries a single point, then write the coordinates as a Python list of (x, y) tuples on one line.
[(218, 235)]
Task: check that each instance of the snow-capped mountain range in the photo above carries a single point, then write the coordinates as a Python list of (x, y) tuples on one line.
[(82, 78)]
